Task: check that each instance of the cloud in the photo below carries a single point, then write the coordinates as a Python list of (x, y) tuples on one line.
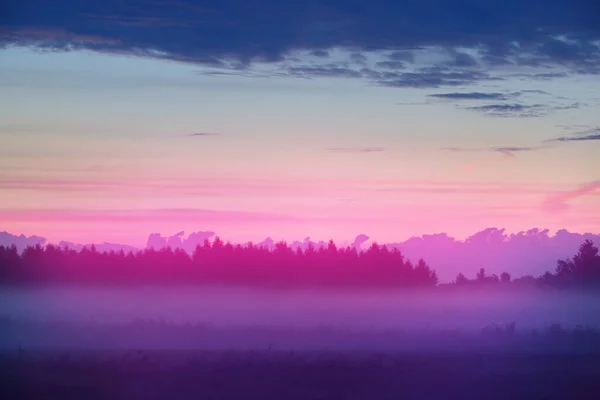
[(461, 60), (20, 241), (320, 53), (157, 187), (547, 76), (495, 96), (561, 34), (433, 77), (403, 55), (390, 64), (194, 188), (200, 134), (579, 136), (491, 189), (461, 149), (328, 71), (509, 151), (576, 127), (137, 215), (356, 149), (510, 110), (558, 202), (531, 92), (519, 110), (358, 58), (471, 96), (505, 152)]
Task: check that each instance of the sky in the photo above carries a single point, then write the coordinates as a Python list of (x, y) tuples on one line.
[(323, 118)]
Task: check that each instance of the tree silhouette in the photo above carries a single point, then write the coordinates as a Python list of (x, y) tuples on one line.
[(582, 270), (481, 275), (275, 265), (216, 262), (461, 279)]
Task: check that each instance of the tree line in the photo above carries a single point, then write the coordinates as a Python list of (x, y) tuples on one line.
[(217, 262), (581, 270)]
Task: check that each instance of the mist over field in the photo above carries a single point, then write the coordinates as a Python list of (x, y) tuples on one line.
[(224, 290), (363, 308), (235, 317)]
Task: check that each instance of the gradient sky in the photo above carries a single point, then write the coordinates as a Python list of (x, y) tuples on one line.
[(325, 119)]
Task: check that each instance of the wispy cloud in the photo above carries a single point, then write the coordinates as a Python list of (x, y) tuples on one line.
[(463, 149), (356, 149), (589, 134), (519, 110), (200, 134), (432, 77), (137, 215), (390, 64), (576, 138), (558, 202), (511, 150), (210, 188), (471, 96), (510, 110), (505, 150), (323, 71)]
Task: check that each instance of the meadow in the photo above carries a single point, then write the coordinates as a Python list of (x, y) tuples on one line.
[(290, 374)]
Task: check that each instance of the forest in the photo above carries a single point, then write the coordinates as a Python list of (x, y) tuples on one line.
[(217, 262)]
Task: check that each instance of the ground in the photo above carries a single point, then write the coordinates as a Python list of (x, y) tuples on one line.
[(291, 375)]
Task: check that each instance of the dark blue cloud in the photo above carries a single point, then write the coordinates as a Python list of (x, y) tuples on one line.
[(434, 77), (320, 53), (592, 134), (390, 64), (578, 138), (358, 58), (511, 110), (518, 110), (471, 96), (205, 31), (461, 60), (329, 71), (407, 55)]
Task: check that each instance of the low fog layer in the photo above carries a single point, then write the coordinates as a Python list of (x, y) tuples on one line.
[(381, 309), (233, 318)]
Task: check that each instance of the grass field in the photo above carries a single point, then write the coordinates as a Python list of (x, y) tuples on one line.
[(148, 359), (296, 375)]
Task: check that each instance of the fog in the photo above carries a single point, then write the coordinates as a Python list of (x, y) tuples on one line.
[(351, 308)]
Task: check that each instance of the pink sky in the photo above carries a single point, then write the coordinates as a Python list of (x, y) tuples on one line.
[(91, 153)]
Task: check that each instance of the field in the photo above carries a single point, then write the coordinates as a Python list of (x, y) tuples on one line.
[(296, 375), (111, 344)]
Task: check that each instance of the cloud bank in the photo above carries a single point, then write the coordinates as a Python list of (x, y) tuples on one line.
[(536, 33)]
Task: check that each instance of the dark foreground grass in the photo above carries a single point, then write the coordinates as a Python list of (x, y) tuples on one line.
[(273, 375)]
